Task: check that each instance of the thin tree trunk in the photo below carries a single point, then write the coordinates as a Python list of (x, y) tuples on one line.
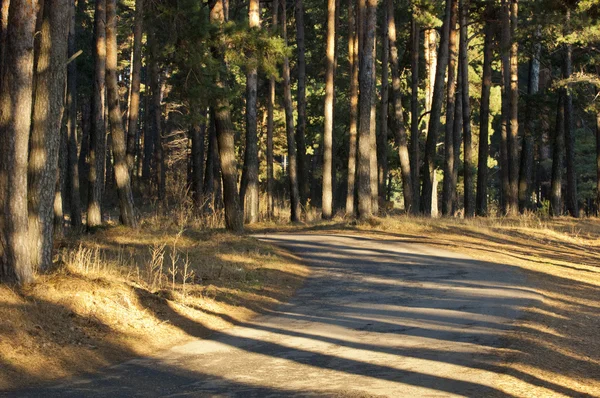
[(83, 160), (46, 130), (270, 125), (414, 118), (528, 150), (119, 145), (211, 155), (301, 98), (328, 128), (513, 130), (469, 166), (399, 129), (436, 109), (16, 79), (4, 4), (373, 134), (97, 133), (249, 184), (598, 164), (557, 157), (61, 199), (457, 131), (571, 194), (198, 135), (353, 60), (382, 138), (136, 78), (226, 135), (484, 119), (449, 186), (430, 51), (289, 127)]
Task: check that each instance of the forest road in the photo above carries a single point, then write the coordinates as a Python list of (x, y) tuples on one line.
[(375, 318)]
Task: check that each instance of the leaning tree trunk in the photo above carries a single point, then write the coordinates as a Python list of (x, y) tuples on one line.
[(301, 98), (571, 194), (365, 208), (449, 186), (353, 60), (382, 137), (557, 157), (436, 110), (399, 129), (328, 128), (44, 144), (249, 184), (289, 128), (136, 78), (484, 120), (119, 145), (513, 130), (414, 118), (466, 109), (16, 79), (97, 133), (234, 217)]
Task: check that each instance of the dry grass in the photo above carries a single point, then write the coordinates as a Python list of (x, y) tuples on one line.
[(120, 293), (554, 349)]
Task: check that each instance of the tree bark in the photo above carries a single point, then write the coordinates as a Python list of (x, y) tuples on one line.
[(15, 122), (484, 119), (211, 159), (365, 208), (353, 60), (469, 166), (270, 125), (328, 128), (198, 135), (449, 186), (436, 109), (373, 134), (136, 78), (557, 157), (97, 133), (457, 132), (430, 50), (399, 129), (382, 138), (45, 138), (414, 119), (301, 98), (513, 130), (119, 145), (571, 194), (225, 134), (289, 127), (598, 164), (249, 184)]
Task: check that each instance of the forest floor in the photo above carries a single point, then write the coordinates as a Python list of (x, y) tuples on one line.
[(112, 294), (555, 342)]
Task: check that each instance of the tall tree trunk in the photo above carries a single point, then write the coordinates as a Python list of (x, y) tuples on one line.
[(557, 157), (571, 194), (484, 119), (382, 138), (353, 60), (513, 130), (119, 145), (16, 79), (430, 50), (505, 67), (449, 187), (301, 98), (83, 159), (328, 128), (373, 135), (289, 127), (270, 125), (249, 184), (528, 149), (399, 129), (211, 159), (97, 133), (469, 166), (436, 109), (71, 105), (225, 134), (4, 4), (365, 208), (414, 118), (44, 145), (598, 164), (198, 135), (457, 131), (136, 78)]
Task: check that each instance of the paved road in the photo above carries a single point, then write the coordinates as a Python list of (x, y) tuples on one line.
[(375, 318)]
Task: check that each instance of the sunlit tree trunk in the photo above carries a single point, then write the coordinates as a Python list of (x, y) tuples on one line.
[(97, 133), (353, 60), (429, 165), (571, 193), (119, 145), (414, 118), (399, 129), (557, 157), (249, 184), (289, 127), (329, 100), (449, 186), (430, 51), (270, 125), (301, 98), (16, 77), (505, 84), (136, 78), (373, 135), (382, 138), (484, 119), (513, 128), (469, 166)]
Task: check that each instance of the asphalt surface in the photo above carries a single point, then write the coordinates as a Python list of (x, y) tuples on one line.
[(375, 318)]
